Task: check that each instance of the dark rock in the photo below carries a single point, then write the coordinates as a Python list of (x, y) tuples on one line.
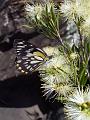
[(3, 4)]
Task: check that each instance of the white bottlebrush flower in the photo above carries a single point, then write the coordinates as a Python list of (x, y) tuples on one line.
[(79, 11), (85, 28), (56, 84), (73, 55), (75, 8), (78, 105), (49, 6), (56, 74), (37, 10), (57, 62), (34, 11), (51, 50)]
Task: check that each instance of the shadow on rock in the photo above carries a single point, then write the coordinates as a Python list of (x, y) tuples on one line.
[(24, 91), (21, 91)]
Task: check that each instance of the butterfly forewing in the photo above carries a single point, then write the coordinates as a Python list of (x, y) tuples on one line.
[(29, 57)]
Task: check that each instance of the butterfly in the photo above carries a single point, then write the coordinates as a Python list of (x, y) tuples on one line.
[(28, 57)]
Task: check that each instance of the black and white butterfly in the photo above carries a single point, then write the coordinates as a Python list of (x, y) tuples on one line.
[(29, 57)]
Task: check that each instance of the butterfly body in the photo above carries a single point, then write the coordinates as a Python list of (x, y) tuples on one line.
[(29, 57)]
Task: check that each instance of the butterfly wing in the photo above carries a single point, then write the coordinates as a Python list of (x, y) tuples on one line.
[(29, 57)]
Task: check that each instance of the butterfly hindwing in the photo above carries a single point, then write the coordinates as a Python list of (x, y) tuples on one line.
[(29, 57)]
